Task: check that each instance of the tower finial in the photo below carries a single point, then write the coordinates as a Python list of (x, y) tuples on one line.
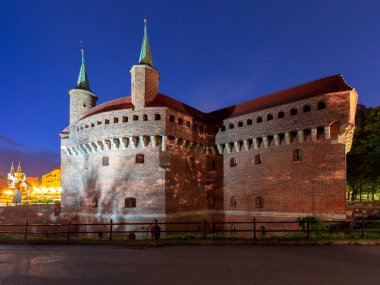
[(19, 170), (145, 56), (83, 82)]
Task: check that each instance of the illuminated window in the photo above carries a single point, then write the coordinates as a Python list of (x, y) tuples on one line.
[(259, 202), (258, 159), (297, 155), (105, 161), (321, 105), (140, 158), (130, 202), (234, 202), (233, 161)]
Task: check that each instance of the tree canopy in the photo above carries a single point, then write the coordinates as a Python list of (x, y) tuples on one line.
[(363, 161)]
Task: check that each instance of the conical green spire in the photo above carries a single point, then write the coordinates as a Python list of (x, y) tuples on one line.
[(145, 56), (83, 82)]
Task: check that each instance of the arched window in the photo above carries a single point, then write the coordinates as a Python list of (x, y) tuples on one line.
[(269, 117), (249, 122), (293, 111), (281, 114), (139, 158), (180, 121), (321, 105), (130, 202), (320, 133), (306, 108), (258, 159), (259, 120), (157, 117), (293, 136), (233, 161), (297, 155), (234, 202)]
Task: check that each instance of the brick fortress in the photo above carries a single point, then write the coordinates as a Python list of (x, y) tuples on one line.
[(148, 156)]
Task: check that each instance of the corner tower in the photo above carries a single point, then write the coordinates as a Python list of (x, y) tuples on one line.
[(144, 77), (82, 98)]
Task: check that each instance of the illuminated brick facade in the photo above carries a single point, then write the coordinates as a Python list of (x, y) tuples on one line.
[(149, 156)]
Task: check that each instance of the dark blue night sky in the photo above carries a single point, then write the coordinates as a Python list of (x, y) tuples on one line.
[(210, 54)]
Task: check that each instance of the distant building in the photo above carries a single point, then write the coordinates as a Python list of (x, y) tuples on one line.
[(17, 179), (33, 181), (52, 179)]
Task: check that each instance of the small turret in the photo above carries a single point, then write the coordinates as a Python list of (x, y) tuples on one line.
[(82, 98), (144, 77)]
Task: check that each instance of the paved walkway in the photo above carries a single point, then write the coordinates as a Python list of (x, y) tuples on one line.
[(213, 265)]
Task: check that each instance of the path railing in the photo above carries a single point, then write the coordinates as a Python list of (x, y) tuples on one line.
[(202, 229)]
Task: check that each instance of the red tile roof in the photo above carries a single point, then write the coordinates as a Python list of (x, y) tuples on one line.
[(331, 84)]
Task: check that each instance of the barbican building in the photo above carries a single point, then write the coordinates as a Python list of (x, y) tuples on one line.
[(149, 156)]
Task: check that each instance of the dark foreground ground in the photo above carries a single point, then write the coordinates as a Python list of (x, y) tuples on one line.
[(214, 265)]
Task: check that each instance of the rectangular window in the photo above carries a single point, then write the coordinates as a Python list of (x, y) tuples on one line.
[(297, 155), (107, 121), (139, 158), (115, 120), (259, 202), (125, 119), (106, 161)]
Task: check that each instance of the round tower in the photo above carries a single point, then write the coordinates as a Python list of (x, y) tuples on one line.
[(82, 98), (144, 77)]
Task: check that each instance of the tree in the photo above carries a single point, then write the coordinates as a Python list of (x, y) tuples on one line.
[(363, 161)]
